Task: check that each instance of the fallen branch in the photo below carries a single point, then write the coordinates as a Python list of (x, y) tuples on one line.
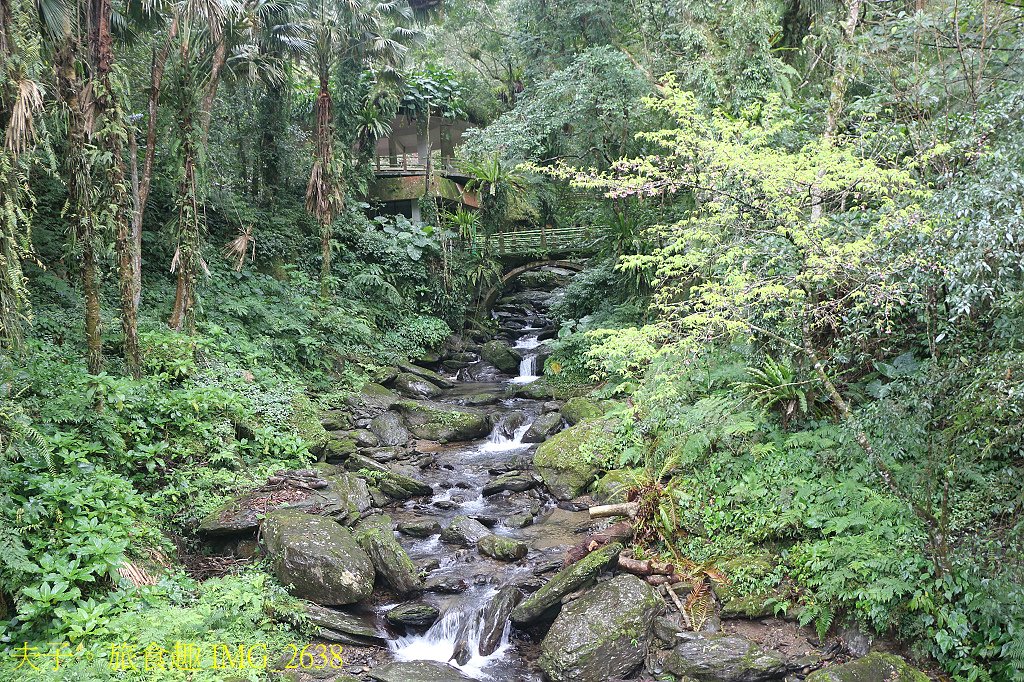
[(622, 509), (679, 605), (645, 567)]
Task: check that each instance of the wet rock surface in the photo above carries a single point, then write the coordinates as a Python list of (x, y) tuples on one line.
[(316, 558), (724, 658), (874, 666), (604, 634)]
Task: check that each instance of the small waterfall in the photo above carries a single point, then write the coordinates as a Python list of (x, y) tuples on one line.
[(529, 342), (527, 370), (456, 632), (499, 442)]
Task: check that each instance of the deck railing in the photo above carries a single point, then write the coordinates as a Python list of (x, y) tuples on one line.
[(545, 239), (411, 163)]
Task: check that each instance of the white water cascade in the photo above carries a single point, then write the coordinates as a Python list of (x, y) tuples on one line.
[(528, 365), (499, 442), (441, 640)]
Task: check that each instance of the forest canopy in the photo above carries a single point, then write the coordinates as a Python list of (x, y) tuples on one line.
[(792, 313)]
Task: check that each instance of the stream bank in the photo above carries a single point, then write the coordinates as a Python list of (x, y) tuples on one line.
[(434, 539)]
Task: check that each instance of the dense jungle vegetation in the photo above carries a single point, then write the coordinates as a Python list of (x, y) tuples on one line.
[(803, 298)]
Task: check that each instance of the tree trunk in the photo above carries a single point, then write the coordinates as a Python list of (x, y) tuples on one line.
[(322, 194), (220, 55), (90, 288), (145, 182), (837, 98), (79, 184), (107, 108)]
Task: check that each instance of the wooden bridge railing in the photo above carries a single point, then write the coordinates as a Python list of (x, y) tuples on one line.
[(545, 239), (411, 163)]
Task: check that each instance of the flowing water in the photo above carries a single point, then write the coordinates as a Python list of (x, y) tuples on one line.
[(458, 476)]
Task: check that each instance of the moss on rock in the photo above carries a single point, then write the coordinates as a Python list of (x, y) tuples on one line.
[(305, 422), (580, 408), (872, 668), (441, 422), (569, 461)]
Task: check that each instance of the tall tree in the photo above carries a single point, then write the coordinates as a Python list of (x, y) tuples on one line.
[(202, 52), (21, 101), (364, 33), (111, 137)]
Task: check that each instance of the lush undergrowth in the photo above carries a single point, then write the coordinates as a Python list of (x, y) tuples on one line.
[(105, 477), (753, 477)]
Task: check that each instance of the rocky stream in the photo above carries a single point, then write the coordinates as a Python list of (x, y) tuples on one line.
[(446, 536)]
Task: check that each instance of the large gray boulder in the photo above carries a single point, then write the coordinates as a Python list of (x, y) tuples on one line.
[(871, 668), (389, 559), (512, 481), (602, 635), (353, 494), (389, 430), (724, 658), (543, 427), (392, 483), (417, 671), (338, 626), (464, 531), (412, 386), (428, 374), (569, 579), (443, 423), (316, 558), (569, 461), (501, 355), (371, 401), (416, 615)]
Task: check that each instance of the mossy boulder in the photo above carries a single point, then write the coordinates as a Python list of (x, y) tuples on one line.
[(338, 626), (412, 386), (305, 422), (392, 483), (569, 461), (389, 429), (371, 400), (464, 531), (569, 579), (541, 389), (443, 423), (579, 408), (501, 355), (613, 485), (543, 427), (723, 658), (353, 493), (374, 534), (339, 447), (428, 374), (416, 615), (419, 528), (502, 549), (316, 558), (872, 668), (604, 634)]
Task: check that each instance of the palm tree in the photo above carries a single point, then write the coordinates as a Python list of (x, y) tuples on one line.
[(21, 100), (365, 33), (201, 54)]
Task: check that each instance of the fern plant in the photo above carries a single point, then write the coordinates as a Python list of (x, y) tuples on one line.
[(776, 385)]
